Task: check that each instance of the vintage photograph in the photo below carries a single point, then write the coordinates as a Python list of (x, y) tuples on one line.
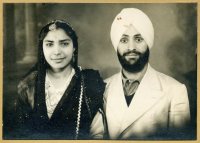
[(99, 71)]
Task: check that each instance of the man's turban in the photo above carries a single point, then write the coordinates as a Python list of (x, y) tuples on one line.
[(135, 17)]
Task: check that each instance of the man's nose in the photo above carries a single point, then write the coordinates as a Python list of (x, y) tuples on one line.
[(131, 45)]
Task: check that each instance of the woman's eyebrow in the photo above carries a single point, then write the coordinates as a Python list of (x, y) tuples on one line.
[(64, 40), (50, 41)]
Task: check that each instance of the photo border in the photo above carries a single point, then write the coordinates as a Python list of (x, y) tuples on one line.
[(97, 1)]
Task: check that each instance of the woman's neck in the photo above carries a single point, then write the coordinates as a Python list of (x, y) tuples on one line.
[(59, 77), (59, 73)]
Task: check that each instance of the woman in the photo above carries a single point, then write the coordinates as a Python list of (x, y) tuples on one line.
[(57, 99)]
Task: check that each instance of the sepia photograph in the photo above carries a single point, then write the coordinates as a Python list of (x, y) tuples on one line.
[(100, 71)]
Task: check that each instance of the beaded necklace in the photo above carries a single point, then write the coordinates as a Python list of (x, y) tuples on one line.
[(79, 105)]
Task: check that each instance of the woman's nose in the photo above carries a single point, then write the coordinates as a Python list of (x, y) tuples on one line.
[(57, 50)]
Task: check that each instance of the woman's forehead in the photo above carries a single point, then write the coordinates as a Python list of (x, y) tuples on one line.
[(56, 34)]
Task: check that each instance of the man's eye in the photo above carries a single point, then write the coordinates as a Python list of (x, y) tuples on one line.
[(124, 40), (139, 39), (49, 44)]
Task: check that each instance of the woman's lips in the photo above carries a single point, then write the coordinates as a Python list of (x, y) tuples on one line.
[(57, 59)]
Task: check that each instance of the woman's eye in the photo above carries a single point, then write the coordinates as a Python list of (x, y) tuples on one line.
[(65, 44), (124, 40), (49, 44)]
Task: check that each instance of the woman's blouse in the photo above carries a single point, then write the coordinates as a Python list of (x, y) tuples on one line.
[(53, 95)]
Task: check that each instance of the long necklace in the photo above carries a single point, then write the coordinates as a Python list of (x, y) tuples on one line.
[(79, 106)]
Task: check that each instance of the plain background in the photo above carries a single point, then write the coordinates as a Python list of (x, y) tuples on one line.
[(173, 53)]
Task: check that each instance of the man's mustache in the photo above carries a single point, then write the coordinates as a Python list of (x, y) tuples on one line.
[(132, 52)]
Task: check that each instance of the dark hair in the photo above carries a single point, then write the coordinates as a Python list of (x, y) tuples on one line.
[(42, 64)]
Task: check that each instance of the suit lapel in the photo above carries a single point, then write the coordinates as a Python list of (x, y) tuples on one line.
[(147, 95), (115, 105)]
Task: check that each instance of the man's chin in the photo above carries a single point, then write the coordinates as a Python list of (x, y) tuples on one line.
[(134, 64), (133, 67), (131, 62)]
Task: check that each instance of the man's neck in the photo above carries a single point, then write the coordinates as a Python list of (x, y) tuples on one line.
[(135, 75)]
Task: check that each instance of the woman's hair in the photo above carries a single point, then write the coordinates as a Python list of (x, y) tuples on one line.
[(42, 64)]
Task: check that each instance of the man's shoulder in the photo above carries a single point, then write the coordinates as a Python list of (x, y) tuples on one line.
[(168, 80), (111, 78)]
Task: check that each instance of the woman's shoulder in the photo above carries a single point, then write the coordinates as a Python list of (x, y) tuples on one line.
[(92, 76), (91, 73), (27, 82), (26, 89), (94, 80), (95, 87)]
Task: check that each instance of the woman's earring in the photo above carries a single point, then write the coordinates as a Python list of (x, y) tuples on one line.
[(73, 58)]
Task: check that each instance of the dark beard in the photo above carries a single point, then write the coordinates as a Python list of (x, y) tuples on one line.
[(138, 65)]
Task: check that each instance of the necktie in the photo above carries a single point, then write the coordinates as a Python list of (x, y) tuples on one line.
[(129, 90), (130, 87)]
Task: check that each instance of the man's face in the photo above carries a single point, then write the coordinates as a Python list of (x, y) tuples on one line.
[(132, 51)]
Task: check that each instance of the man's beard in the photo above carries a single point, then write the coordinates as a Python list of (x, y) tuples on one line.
[(138, 65)]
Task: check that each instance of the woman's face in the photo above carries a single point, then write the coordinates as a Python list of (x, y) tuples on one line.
[(58, 49)]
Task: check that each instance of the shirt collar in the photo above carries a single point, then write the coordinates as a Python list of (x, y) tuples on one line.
[(125, 79)]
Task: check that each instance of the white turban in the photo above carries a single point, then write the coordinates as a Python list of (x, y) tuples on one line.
[(135, 17)]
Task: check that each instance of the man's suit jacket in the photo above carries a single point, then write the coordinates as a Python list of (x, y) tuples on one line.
[(159, 108)]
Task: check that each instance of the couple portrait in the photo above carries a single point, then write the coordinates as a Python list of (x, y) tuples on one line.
[(88, 71)]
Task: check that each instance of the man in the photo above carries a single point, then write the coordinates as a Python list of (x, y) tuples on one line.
[(140, 102)]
